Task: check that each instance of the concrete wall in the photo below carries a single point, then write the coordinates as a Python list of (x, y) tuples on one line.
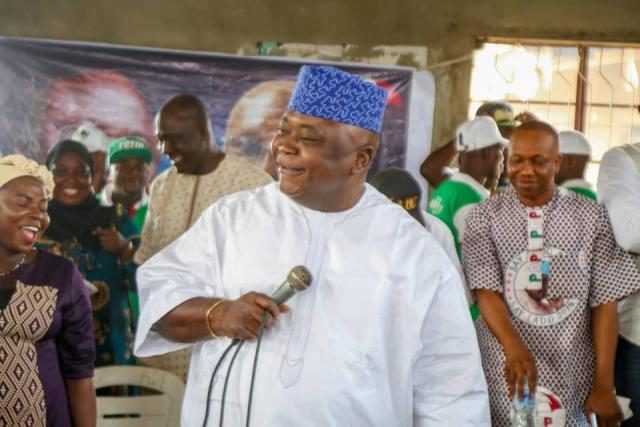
[(449, 28)]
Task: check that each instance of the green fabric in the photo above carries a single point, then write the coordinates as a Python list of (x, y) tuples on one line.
[(140, 216), (448, 198), (475, 312), (138, 220), (134, 305), (445, 202), (585, 192)]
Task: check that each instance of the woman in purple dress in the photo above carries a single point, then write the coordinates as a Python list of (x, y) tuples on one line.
[(47, 349)]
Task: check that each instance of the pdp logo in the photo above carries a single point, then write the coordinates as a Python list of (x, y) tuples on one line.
[(549, 409)]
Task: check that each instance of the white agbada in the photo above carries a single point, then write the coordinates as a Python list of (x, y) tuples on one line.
[(382, 337), (443, 236)]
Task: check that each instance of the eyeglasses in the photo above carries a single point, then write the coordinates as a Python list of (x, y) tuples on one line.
[(66, 173)]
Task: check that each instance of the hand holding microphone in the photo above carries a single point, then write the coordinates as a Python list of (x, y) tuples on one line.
[(240, 318)]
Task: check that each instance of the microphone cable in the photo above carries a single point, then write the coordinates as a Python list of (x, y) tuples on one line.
[(226, 383), (213, 375), (263, 322), (255, 366)]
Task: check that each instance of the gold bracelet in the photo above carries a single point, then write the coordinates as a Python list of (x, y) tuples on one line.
[(206, 317)]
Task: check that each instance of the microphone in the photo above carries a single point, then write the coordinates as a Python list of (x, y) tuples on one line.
[(298, 279)]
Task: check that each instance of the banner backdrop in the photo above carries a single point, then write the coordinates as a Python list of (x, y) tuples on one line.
[(48, 89)]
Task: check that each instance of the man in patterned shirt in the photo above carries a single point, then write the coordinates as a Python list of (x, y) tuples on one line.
[(547, 274), (200, 175)]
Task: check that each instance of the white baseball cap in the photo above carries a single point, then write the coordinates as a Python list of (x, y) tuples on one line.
[(478, 133), (92, 137), (574, 142)]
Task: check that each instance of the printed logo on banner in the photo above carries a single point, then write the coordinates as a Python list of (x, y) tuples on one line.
[(527, 290)]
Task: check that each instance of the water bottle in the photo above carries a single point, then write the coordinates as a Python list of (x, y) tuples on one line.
[(524, 409)]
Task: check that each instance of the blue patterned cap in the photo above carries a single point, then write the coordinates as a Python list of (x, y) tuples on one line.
[(333, 94)]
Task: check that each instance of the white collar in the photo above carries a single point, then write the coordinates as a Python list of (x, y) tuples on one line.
[(366, 199), (470, 181)]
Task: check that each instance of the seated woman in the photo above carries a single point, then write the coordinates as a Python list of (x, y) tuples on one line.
[(94, 237), (47, 349)]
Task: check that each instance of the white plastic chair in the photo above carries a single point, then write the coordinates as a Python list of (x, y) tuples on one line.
[(161, 410)]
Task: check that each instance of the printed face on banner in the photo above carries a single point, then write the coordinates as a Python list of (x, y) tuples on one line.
[(254, 121), (106, 99), (50, 89)]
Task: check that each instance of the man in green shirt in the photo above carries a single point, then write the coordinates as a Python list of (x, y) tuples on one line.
[(480, 146), (129, 158), (576, 153), (435, 168)]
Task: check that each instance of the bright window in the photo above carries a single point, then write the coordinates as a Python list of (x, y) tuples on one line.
[(589, 88)]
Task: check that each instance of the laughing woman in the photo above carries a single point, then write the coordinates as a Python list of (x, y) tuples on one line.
[(47, 347), (95, 238)]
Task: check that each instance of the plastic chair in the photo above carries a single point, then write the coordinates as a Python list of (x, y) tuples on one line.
[(139, 411)]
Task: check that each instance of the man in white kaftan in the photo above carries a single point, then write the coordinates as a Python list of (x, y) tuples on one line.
[(382, 336)]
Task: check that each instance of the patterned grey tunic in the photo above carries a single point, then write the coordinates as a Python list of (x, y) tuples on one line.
[(587, 269)]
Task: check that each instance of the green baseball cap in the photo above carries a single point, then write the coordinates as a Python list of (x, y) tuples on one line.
[(500, 111), (129, 146)]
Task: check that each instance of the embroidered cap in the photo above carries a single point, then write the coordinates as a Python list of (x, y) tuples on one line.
[(574, 142), (129, 146), (333, 94)]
